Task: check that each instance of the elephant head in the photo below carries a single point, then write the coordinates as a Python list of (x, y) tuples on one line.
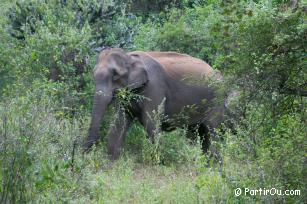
[(114, 69)]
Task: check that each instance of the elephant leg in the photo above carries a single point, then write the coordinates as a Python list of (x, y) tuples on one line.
[(150, 108), (117, 133), (214, 119), (149, 125), (203, 133), (148, 121)]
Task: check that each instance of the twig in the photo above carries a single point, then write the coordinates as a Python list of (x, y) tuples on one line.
[(73, 155)]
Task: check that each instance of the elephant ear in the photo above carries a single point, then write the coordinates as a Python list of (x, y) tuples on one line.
[(137, 73)]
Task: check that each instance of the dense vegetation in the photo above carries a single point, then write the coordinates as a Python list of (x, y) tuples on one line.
[(47, 52)]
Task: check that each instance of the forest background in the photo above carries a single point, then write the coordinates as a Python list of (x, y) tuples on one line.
[(47, 53)]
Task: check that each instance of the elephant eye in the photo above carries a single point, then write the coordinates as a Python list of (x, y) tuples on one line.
[(115, 77)]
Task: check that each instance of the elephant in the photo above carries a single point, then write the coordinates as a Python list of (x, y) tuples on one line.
[(160, 77)]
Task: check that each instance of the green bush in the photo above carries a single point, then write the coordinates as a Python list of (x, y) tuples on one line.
[(203, 32), (57, 40), (32, 124), (47, 53), (270, 56), (172, 148), (266, 154)]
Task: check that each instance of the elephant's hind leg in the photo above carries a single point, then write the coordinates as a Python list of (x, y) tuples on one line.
[(199, 131), (203, 133)]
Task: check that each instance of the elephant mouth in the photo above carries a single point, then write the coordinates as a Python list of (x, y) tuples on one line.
[(128, 93)]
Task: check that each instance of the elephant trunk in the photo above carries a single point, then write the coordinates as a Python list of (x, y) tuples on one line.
[(100, 104)]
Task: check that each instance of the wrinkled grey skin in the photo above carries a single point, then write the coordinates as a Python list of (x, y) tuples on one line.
[(138, 70)]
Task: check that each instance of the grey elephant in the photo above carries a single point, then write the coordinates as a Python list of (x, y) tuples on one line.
[(161, 77)]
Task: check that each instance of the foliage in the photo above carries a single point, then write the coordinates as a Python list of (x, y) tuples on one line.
[(30, 125), (47, 53), (266, 153), (57, 40), (202, 32)]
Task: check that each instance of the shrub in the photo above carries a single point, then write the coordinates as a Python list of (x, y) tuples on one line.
[(266, 154), (46, 56), (30, 125), (57, 40), (203, 32)]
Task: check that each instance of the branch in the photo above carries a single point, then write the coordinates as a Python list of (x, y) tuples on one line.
[(297, 92)]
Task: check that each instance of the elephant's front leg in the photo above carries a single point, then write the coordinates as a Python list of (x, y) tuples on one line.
[(150, 119), (117, 133), (149, 125)]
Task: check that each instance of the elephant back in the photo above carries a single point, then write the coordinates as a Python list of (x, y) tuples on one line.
[(182, 66)]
